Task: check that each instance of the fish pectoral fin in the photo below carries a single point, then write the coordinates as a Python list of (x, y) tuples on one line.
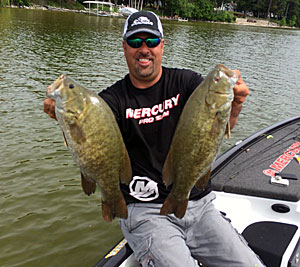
[(203, 181), (167, 174), (77, 133), (114, 208), (68, 117), (173, 205), (88, 186), (125, 172), (227, 130)]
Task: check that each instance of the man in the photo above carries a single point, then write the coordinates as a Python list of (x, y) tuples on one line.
[(147, 104)]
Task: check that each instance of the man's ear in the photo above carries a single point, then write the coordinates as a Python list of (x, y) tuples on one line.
[(163, 44), (123, 44)]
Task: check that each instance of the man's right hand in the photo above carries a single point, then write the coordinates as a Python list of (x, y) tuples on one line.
[(49, 108)]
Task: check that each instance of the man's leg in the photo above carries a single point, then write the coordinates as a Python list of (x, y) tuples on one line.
[(155, 239), (213, 240)]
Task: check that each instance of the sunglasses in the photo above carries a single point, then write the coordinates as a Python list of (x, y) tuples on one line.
[(137, 42)]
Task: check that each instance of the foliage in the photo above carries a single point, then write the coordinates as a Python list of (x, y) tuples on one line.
[(225, 16), (20, 2), (282, 22), (4, 3), (287, 12), (197, 9), (293, 21)]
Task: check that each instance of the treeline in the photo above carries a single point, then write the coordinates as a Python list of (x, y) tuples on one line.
[(284, 12), (287, 12), (206, 10)]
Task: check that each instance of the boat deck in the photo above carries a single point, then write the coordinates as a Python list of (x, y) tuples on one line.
[(273, 150)]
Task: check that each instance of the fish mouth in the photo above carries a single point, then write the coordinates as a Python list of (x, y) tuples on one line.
[(230, 75), (222, 93), (53, 89)]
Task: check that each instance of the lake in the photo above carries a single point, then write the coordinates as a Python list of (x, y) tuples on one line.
[(45, 218)]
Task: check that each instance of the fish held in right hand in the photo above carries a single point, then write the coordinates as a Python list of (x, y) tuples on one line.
[(94, 139)]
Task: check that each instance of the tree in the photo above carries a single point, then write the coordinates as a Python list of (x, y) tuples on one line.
[(269, 9)]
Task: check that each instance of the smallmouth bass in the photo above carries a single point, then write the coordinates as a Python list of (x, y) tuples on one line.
[(198, 138), (93, 137)]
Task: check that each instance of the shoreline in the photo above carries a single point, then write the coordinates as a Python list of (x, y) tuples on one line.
[(239, 21)]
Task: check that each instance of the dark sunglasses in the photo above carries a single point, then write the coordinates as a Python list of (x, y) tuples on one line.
[(137, 42)]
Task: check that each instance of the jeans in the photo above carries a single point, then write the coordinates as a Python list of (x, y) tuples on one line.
[(203, 236)]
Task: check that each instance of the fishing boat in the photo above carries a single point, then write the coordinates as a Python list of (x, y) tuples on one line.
[(183, 19), (257, 186), (127, 11)]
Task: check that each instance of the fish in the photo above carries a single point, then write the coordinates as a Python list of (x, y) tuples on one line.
[(94, 139), (197, 139)]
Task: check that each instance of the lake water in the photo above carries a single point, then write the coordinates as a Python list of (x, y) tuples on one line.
[(45, 218)]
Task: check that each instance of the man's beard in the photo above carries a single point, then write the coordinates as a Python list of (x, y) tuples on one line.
[(144, 72)]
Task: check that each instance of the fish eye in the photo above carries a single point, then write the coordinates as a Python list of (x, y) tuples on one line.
[(217, 79), (71, 86)]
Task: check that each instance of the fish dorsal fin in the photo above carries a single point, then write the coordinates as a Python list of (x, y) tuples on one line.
[(203, 180), (125, 172), (167, 173)]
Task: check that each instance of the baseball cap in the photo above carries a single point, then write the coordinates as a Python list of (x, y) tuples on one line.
[(142, 21)]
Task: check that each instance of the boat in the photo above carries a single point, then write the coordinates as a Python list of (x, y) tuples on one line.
[(127, 11), (257, 186), (97, 3), (183, 19)]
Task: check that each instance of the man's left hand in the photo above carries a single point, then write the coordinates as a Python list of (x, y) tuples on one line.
[(241, 91)]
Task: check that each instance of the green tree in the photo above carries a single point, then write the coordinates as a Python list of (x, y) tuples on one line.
[(203, 10), (282, 22), (293, 21), (4, 3)]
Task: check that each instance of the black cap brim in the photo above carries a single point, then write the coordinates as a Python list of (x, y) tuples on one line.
[(129, 34)]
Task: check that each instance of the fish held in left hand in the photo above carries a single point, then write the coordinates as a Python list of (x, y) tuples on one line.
[(198, 138), (93, 137)]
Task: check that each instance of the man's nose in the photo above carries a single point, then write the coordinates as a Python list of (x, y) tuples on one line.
[(144, 47)]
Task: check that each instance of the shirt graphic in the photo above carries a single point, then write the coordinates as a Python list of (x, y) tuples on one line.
[(154, 113), (143, 188)]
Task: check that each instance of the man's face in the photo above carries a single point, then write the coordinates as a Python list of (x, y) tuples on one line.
[(144, 63)]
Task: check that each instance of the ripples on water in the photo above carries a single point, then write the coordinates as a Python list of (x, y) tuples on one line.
[(267, 58), (45, 218)]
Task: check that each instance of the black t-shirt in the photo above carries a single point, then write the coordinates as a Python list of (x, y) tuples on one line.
[(147, 119)]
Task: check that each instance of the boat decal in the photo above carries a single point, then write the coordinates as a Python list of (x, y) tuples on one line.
[(116, 249), (283, 160)]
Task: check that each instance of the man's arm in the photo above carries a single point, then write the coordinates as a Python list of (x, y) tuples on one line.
[(241, 91)]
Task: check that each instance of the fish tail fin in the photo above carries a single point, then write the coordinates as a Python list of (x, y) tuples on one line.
[(88, 186), (173, 205), (167, 175), (114, 208)]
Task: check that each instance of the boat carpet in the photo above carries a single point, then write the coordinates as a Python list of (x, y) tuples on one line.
[(248, 171)]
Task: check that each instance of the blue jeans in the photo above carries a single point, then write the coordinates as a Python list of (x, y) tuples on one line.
[(203, 235)]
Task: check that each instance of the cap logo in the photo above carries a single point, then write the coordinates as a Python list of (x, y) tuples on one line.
[(141, 20)]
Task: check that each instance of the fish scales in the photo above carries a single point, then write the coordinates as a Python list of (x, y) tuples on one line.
[(198, 138), (94, 139)]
